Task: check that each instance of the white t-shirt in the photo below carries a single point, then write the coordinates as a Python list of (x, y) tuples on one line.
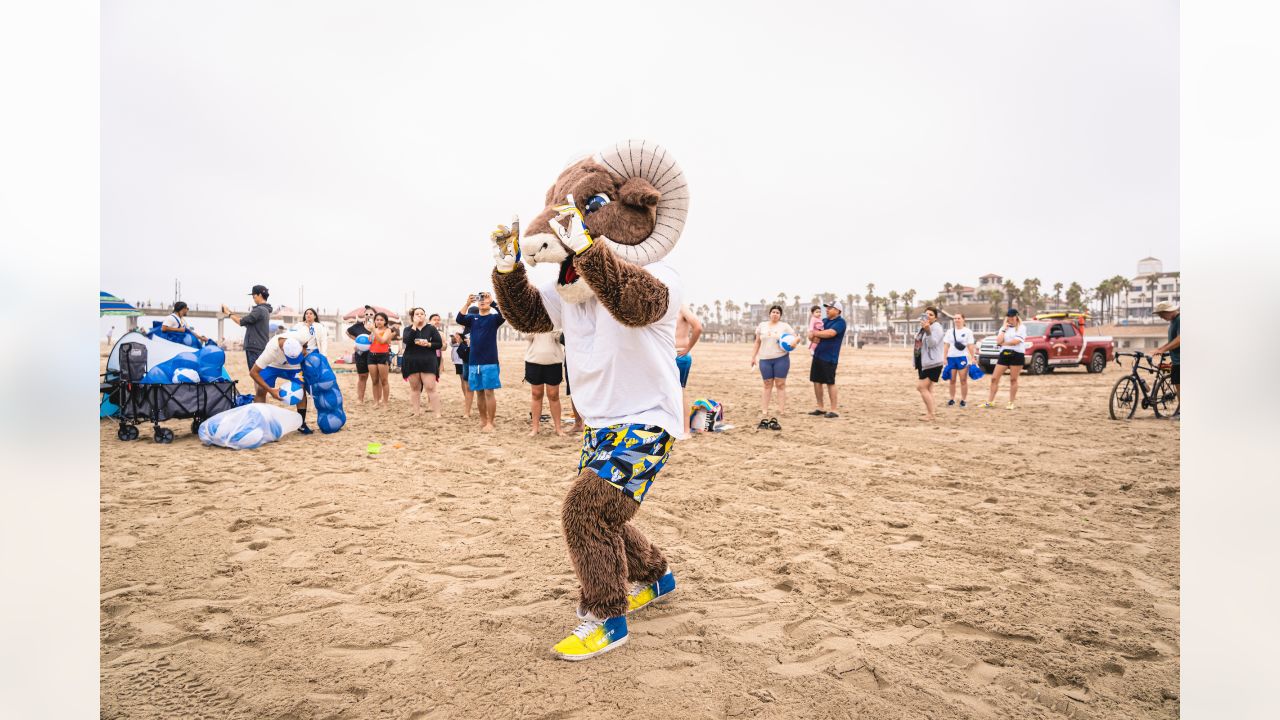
[(545, 349), (318, 341), (769, 334), (273, 354), (1019, 333), (962, 335), (176, 321), (622, 374)]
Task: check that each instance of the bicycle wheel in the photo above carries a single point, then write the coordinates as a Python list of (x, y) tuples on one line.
[(1124, 398), (1164, 399)]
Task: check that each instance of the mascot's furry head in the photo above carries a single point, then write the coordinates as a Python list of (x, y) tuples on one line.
[(633, 197)]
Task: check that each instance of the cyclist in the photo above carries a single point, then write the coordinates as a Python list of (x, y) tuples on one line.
[(1171, 313)]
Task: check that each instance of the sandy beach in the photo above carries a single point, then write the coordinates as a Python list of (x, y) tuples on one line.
[(994, 564)]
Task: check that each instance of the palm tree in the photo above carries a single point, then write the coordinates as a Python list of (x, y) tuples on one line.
[(1010, 292), (1075, 296), (855, 300), (893, 302), (1031, 294), (1057, 292), (995, 297), (719, 307), (946, 291), (909, 297)]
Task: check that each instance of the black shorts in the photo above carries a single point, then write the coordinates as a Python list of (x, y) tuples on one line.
[(1011, 358), (933, 373), (378, 358), (822, 372), (252, 356), (536, 374), (1174, 375), (362, 363)]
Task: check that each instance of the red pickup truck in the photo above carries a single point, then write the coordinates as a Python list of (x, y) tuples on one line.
[(1056, 340)]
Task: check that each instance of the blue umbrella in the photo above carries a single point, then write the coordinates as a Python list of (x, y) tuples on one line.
[(109, 304)]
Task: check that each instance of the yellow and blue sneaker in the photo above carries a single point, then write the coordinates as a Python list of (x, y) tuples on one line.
[(642, 595), (592, 638)]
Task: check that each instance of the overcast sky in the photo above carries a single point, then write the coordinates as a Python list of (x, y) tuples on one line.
[(365, 150)]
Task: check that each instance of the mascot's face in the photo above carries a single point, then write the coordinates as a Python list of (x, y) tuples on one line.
[(633, 197)]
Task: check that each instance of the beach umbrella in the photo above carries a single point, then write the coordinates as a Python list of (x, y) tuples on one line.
[(109, 304), (359, 313)]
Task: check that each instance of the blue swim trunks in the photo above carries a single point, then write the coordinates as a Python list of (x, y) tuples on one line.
[(271, 374), (627, 457), (684, 362), (484, 377), (954, 363)]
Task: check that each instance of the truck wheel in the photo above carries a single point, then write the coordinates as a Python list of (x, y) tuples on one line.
[(987, 368), (1098, 362), (1039, 364)]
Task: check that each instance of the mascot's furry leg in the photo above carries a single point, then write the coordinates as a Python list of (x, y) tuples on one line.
[(608, 553)]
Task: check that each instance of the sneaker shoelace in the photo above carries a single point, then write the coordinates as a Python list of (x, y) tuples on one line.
[(585, 629)]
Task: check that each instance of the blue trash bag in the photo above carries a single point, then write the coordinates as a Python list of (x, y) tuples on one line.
[(326, 398), (210, 360), (975, 372), (249, 426)]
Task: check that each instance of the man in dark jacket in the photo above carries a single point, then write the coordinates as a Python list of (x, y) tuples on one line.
[(257, 324)]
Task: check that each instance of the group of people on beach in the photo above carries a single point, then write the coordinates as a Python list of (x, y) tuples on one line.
[(940, 354)]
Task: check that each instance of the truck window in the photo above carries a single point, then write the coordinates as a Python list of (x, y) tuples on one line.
[(1056, 331), (1068, 330)]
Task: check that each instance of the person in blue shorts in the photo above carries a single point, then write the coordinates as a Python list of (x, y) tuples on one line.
[(483, 373), (281, 360), (688, 330)]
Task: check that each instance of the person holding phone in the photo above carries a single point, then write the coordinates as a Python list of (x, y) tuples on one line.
[(483, 372), (317, 337), (420, 364), (380, 358), (1011, 340), (960, 354), (362, 327), (930, 357)]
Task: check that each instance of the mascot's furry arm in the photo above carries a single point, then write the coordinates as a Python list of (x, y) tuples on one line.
[(520, 301), (631, 295)]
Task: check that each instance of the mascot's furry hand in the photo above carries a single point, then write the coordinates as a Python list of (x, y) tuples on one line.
[(506, 246), (576, 237)]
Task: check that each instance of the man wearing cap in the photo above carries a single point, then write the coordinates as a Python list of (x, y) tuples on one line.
[(1173, 314), (282, 358), (257, 324), (823, 371)]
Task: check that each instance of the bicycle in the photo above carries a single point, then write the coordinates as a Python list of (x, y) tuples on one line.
[(1132, 391)]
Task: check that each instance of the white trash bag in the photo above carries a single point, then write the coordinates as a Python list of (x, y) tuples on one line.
[(249, 426)]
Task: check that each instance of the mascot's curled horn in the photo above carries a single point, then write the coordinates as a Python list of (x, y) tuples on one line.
[(609, 221)]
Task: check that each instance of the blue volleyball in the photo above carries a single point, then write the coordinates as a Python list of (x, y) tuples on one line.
[(787, 342), (290, 392), (363, 343)]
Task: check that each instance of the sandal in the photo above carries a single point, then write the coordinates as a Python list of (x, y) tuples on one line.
[(764, 424), (773, 424), (818, 412)]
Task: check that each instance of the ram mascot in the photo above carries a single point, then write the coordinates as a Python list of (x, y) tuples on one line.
[(609, 221)]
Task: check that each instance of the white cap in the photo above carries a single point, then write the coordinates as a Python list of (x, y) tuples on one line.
[(835, 304), (1166, 306), (292, 349)]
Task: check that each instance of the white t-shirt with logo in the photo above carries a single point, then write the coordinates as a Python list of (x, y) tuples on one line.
[(1016, 332), (962, 335), (769, 334), (176, 321), (620, 374)]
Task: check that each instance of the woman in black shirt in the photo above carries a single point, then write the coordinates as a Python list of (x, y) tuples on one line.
[(420, 363)]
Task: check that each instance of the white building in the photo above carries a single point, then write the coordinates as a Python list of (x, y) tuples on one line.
[(1149, 286)]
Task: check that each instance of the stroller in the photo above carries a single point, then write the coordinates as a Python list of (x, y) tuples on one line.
[(138, 398)]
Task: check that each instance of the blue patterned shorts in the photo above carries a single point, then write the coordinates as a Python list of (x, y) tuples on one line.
[(626, 456)]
